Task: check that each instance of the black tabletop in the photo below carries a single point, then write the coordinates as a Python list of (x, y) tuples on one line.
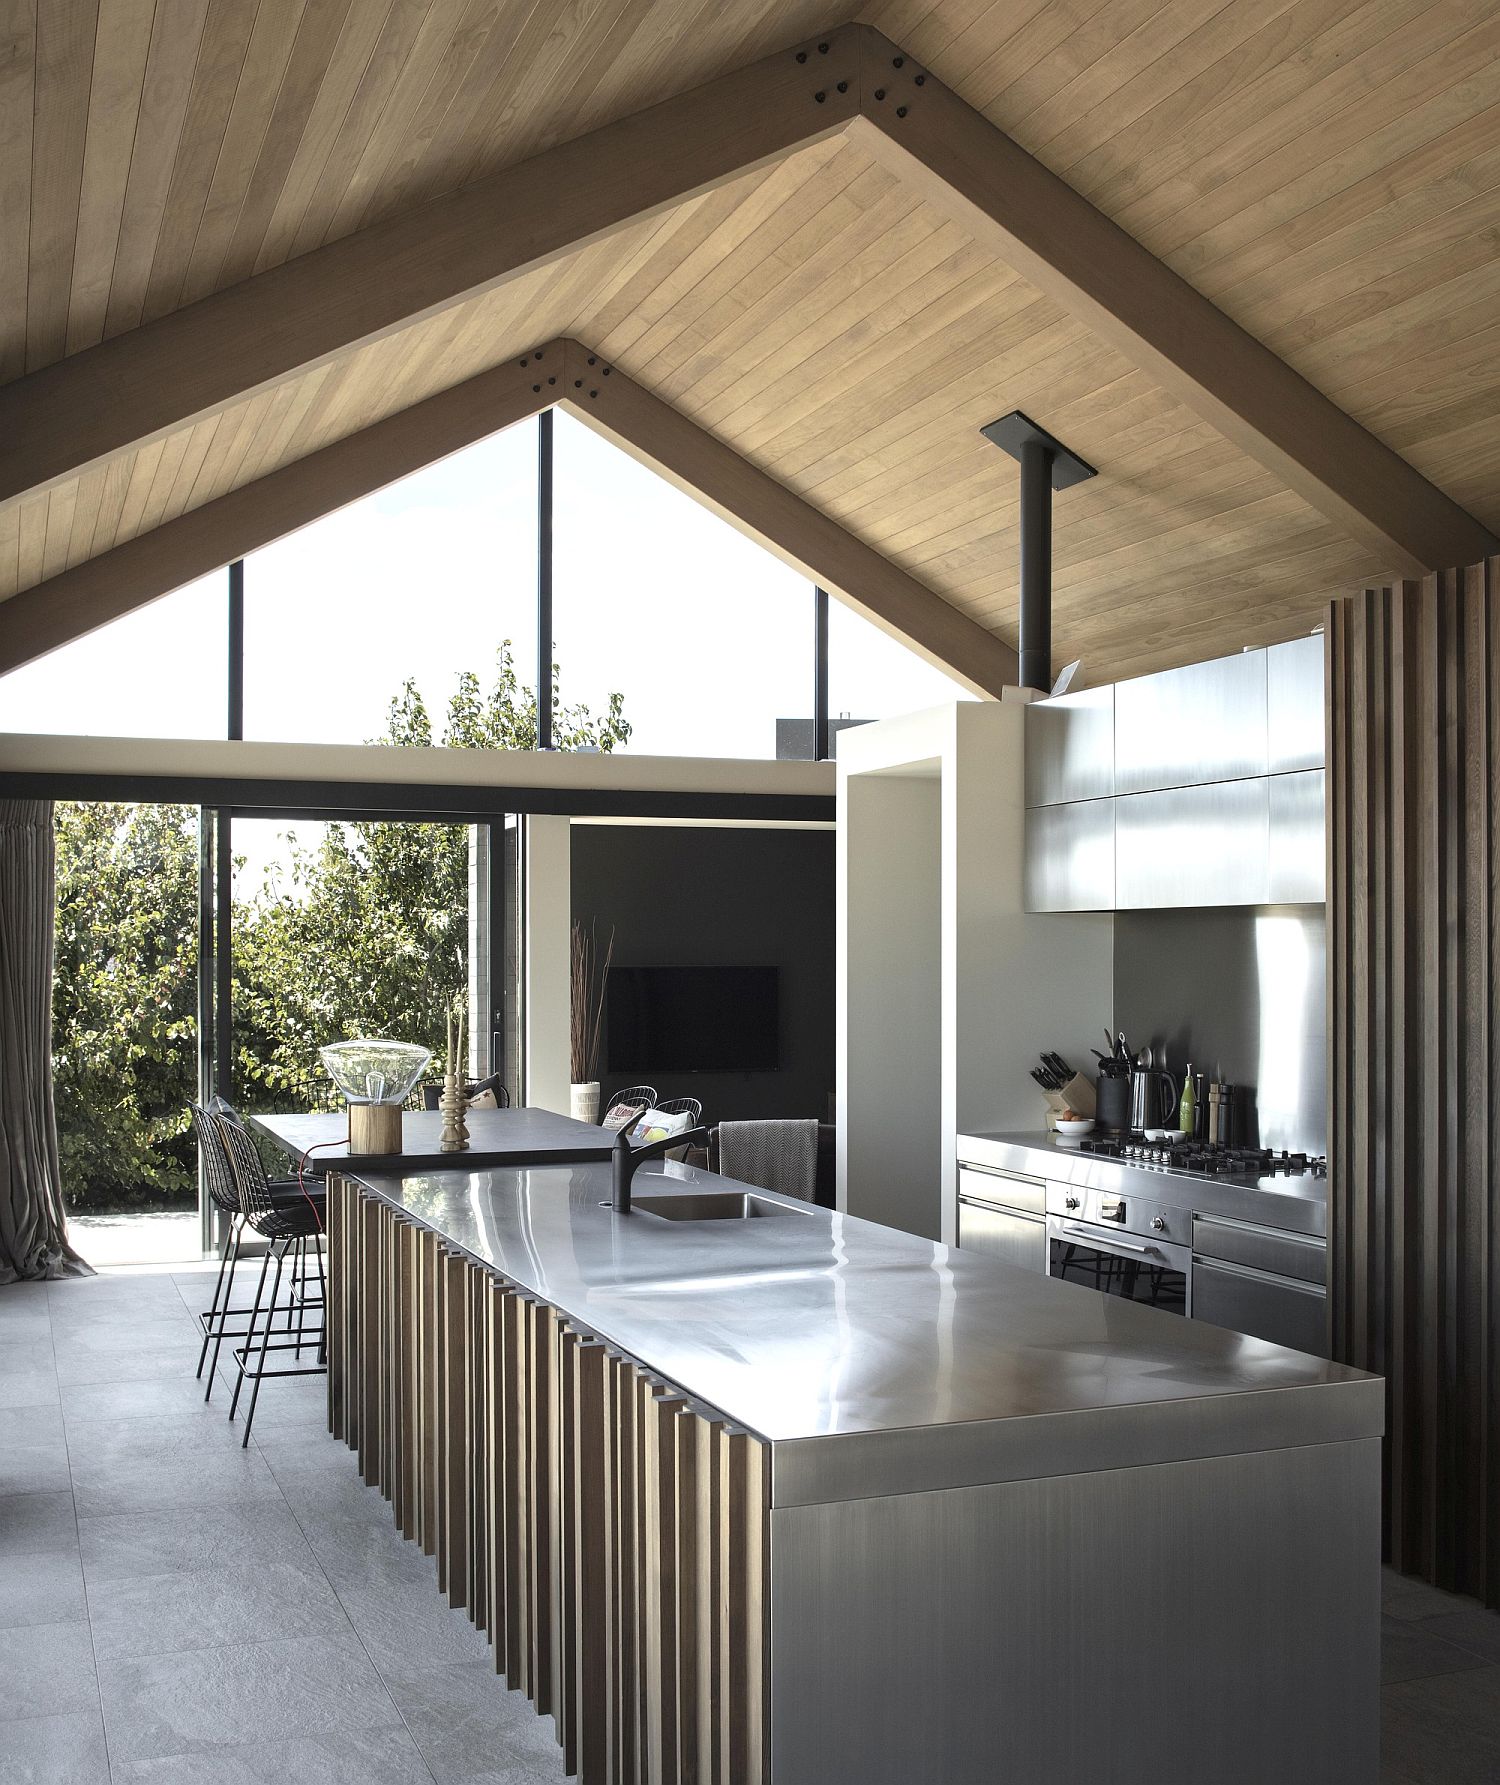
[(496, 1137)]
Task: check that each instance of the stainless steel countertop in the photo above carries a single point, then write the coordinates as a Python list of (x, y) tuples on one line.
[(875, 1362), (1295, 1204)]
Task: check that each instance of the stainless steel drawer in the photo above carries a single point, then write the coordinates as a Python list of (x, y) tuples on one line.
[(1186, 726), (1278, 1309), (1192, 846), (1029, 1195), (1297, 870), (1261, 1248), (998, 1233), (1070, 747), (1070, 857)]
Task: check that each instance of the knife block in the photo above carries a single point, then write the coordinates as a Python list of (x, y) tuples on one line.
[(1077, 1095)]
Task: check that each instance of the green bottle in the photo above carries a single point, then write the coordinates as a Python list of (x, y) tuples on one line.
[(1187, 1110)]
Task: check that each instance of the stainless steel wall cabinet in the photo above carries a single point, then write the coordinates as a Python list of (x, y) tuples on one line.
[(1206, 722), (1297, 872), (1193, 846), (1070, 857), (1294, 705), (1070, 747)]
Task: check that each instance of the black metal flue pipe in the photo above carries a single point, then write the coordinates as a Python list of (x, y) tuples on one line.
[(1036, 565)]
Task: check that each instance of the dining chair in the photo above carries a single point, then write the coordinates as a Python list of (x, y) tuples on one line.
[(286, 1225), (639, 1096)]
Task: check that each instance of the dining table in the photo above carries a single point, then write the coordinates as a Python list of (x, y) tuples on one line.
[(317, 1141)]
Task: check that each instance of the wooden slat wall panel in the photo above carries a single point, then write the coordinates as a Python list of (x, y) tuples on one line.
[(1414, 975), (608, 1536)]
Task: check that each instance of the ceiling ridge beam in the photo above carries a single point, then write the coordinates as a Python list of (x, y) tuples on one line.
[(1033, 221), (561, 372), (137, 387), (783, 523)]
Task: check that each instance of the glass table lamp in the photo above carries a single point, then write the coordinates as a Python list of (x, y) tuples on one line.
[(376, 1078)]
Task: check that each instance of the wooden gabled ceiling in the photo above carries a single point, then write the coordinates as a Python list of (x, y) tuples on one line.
[(1328, 173)]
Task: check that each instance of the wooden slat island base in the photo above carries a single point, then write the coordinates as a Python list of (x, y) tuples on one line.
[(806, 1501)]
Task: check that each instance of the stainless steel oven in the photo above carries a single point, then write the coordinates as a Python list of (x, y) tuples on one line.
[(1137, 1250)]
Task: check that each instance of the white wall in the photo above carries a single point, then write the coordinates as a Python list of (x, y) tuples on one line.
[(1005, 984), (548, 879)]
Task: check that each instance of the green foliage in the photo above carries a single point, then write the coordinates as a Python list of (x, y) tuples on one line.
[(363, 933)]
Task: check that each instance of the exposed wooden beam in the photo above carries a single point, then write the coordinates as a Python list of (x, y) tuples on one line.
[(102, 589), (76, 601), (125, 392), (778, 519), (1035, 222)]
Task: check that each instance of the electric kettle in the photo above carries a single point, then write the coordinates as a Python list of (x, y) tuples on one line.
[(1153, 1096)]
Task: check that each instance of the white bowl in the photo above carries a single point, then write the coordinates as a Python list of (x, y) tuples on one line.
[(1165, 1134), (1075, 1130)]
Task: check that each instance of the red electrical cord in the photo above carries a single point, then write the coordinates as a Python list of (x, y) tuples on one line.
[(301, 1166)]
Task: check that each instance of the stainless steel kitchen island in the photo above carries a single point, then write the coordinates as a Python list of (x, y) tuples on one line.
[(807, 1501)]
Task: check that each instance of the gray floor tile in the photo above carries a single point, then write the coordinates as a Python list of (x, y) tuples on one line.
[(209, 1699), (30, 1425), (66, 1749), (1403, 1597), (470, 1727), (363, 1757), (36, 1387), (33, 1523), (27, 1320), (25, 1293), (23, 1356), (1442, 1731), (43, 1588), (137, 1465), (1472, 1629), (133, 1545), (162, 1614), (366, 1552), (47, 1669), (34, 1468), (1409, 1651), (179, 1360), (112, 1337), (171, 1397), (402, 1618)]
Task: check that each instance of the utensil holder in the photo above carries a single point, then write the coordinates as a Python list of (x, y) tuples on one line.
[(1113, 1111)]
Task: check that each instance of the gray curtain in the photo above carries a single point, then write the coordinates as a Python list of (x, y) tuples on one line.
[(33, 1224)]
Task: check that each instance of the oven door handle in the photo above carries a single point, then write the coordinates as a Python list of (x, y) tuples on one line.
[(1102, 1242)]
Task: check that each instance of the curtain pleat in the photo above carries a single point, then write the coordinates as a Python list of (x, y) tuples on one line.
[(33, 1222)]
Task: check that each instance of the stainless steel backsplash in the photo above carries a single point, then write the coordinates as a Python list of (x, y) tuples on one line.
[(1241, 992)]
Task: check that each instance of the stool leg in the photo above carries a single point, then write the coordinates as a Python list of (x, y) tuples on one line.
[(214, 1318), (260, 1290), (300, 1275), (323, 1299), (222, 1322), (280, 1246)]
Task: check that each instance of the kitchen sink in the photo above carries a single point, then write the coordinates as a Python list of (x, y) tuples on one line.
[(713, 1205)]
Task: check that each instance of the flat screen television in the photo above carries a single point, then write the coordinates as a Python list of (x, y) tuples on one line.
[(694, 1019)]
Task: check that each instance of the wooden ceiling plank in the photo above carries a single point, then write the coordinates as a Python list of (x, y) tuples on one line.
[(142, 470), (17, 108), (112, 501), (64, 68), (62, 501), (1237, 174), (415, 171), (1285, 187), (797, 533), (942, 268), (320, 32), (176, 34), (10, 550), (31, 541), (168, 467), (120, 56), (222, 47), (1076, 52), (399, 31), (1097, 272), (358, 43), (802, 295), (86, 514), (92, 594), (816, 194), (267, 328), (200, 438), (278, 25)]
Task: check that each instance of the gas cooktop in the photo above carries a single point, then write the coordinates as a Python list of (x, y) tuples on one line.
[(1199, 1159)]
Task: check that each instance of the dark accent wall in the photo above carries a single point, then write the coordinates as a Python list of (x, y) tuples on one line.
[(690, 896), (1414, 942), (1241, 992)]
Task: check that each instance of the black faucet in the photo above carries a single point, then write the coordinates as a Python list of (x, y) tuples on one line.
[(627, 1157)]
